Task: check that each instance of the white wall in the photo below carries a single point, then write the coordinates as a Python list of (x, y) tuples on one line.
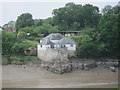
[(41, 48), (69, 34), (40, 41), (47, 46), (71, 48), (44, 47)]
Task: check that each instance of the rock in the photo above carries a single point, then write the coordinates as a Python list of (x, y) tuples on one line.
[(91, 66), (112, 68)]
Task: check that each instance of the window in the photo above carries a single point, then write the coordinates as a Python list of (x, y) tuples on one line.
[(62, 46), (71, 45), (52, 46)]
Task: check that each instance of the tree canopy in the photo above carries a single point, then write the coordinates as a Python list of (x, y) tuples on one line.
[(24, 20), (76, 17)]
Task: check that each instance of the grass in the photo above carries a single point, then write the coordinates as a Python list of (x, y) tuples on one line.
[(17, 59)]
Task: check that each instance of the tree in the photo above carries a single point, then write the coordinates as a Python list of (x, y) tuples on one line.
[(88, 45), (27, 30), (24, 20), (48, 21), (38, 22), (76, 17), (45, 29), (107, 10), (28, 33), (86, 48), (9, 24), (116, 9), (91, 15), (109, 34), (111, 10), (66, 16), (89, 50)]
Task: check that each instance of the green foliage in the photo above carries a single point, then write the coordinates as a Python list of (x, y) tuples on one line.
[(30, 58), (9, 24), (91, 15), (38, 22), (86, 50), (24, 20), (49, 28), (76, 38), (109, 34), (45, 29), (87, 45), (8, 40), (48, 21), (21, 47), (21, 35), (18, 48), (27, 33), (111, 10), (75, 16), (107, 10), (32, 33), (17, 59), (29, 43), (26, 30)]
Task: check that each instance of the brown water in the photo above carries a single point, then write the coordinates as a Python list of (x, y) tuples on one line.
[(36, 77)]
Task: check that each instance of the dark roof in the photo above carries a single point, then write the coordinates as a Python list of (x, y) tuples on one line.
[(67, 40), (46, 42), (54, 36)]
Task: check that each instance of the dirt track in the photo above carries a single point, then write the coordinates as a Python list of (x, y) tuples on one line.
[(35, 77)]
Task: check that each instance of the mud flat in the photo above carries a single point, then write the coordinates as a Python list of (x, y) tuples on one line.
[(22, 76)]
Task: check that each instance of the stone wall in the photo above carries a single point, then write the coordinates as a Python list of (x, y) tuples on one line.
[(52, 54), (71, 53)]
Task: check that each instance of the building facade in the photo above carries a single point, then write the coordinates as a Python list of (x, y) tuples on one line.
[(55, 46)]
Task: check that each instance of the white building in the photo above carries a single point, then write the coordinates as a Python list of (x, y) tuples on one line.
[(56, 42)]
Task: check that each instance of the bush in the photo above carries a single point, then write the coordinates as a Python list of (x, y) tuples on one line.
[(8, 40), (89, 50), (22, 46)]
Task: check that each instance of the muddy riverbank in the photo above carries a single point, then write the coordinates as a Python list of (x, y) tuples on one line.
[(22, 76)]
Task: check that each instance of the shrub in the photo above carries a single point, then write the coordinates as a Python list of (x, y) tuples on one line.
[(22, 46)]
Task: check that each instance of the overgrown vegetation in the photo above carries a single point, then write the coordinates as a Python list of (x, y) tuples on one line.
[(100, 31)]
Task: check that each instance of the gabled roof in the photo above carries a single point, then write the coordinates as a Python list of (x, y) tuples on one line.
[(46, 42), (66, 40), (54, 36)]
